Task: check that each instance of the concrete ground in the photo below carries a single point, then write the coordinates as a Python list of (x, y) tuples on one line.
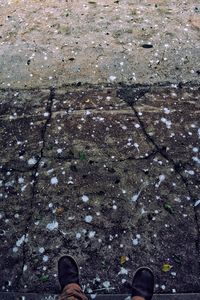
[(100, 143), (45, 43)]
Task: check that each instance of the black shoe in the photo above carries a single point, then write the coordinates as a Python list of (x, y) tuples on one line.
[(143, 283), (67, 271)]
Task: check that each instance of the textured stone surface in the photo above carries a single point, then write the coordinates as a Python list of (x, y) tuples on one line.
[(45, 43), (22, 120), (109, 185)]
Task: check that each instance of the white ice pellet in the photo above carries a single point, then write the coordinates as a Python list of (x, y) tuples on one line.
[(135, 242), (91, 234), (41, 250), (137, 125), (88, 219), (15, 249), (161, 179), (163, 287), (85, 198), (59, 150), (199, 133), (32, 161), (123, 280), (52, 226), (45, 258), (195, 149), (123, 271), (106, 284), (54, 180), (197, 203), (166, 110), (20, 180), (112, 78), (168, 123), (25, 268), (78, 235), (20, 241)]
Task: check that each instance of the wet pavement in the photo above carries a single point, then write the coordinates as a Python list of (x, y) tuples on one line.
[(107, 174)]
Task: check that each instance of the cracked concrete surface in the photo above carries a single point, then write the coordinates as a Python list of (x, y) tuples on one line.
[(100, 143), (100, 178)]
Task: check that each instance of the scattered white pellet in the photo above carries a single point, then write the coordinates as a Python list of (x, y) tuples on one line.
[(25, 268), (88, 219), (85, 198), (32, 161), (45, 258), (197, 203), (123, 271), (15, 249), (54, 180), (20, 241), (52, 226), (135, 242), (163, 287), (91, 234), (78, 235), (106, 284), (112, 78), (41, 250)]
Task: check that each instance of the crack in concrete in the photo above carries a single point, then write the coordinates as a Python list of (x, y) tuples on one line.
[(91, 161), (175, 165), (131, 95), (157, 149), (35, 173)]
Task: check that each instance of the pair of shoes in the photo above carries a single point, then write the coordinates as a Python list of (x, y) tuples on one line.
[(68, 274)]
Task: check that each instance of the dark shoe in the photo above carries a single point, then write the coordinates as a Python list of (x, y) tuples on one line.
[(143, 283), (67, 271)]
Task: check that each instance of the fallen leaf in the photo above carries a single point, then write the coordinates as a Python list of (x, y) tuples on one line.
[(166, 267), (168, 208), (59, 210), (122, 259)]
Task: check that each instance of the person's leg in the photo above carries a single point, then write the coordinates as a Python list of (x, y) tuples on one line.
[(68, 276), (143, 284)]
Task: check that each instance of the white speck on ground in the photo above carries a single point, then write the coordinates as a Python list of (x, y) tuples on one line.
[(123, 271), (88, 219), (45, 258), (41, 250), (32, 161), (52, 226), (54, 180), (168, 123), (106, 284), (197, 203), (85, 198), (21, 241), (112, 78)]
